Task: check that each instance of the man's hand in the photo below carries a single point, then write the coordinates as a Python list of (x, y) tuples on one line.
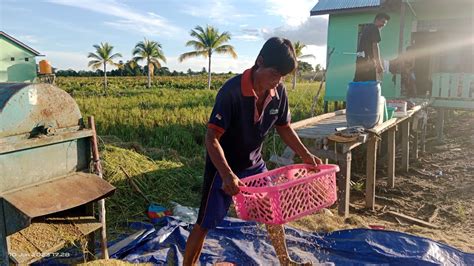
[(231, 183), (379, 67), (309, 158)]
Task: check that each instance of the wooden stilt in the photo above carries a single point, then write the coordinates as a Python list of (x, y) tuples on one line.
[(391, 156), (98, 170), (423, 132), (371, 156), (440, 124), (345, 184), (405, 127), (416, 142)]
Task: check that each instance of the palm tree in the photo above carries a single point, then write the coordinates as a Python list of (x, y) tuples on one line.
[(150, 51), (298, 46), (208, 41), (103, 56)]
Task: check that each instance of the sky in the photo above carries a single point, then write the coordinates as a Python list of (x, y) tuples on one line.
[(65, 30)]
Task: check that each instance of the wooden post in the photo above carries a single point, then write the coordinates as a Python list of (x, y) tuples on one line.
[(405, 127), (90, 248), (416, 140), (440, 124), (423, 132), (371, 172), (98, 170), (90, 255), (344, 184), (326, 109), (391, 156)]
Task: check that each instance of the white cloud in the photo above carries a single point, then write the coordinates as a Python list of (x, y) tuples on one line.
[(293, 12), (66, 60), (319, 53), (312, 32), (248, 37), (147, 23), (219, 64), (218, 11)]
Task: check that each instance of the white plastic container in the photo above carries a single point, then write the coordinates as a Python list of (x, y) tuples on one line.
[(401, 106), (381, 109)]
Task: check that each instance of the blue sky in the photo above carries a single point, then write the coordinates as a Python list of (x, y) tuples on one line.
[(65, 30)]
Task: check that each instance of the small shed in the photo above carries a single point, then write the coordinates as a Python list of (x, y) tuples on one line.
[(18, 60), (440, 32)]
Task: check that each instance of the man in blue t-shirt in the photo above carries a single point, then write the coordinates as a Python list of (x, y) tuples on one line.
[(247, 107), (368, 62)]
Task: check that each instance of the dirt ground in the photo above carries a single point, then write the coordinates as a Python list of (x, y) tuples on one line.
[(438, 188)]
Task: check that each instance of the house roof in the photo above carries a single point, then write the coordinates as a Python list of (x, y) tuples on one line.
[(24, 46), (340, 6)]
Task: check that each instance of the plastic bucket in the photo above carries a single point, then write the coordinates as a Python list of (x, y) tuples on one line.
[(363, 104)]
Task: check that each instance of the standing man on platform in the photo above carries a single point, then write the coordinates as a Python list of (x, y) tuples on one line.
[(369, 65)]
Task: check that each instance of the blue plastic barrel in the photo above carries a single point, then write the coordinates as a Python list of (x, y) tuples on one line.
[(362, 104)]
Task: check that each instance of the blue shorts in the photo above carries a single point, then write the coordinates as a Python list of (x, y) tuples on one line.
[(215, 202)]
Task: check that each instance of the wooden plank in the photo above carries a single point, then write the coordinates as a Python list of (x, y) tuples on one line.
[(316, 119), (440, 123), (405, 127), (416, 139), (466, 85), (346, 147), (371, 156), (322, 129), (98, 170), (453, 85), (435, 89), (386, 125), (471, 87), (344, 184), (391, 156), (423, 133), (459, 84), (444, 85), (464, 104), (412, 219)]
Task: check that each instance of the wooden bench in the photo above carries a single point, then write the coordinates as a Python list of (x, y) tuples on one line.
[(318, 129)]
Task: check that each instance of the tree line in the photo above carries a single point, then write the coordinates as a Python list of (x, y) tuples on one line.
[(206, 42), (129, 69)]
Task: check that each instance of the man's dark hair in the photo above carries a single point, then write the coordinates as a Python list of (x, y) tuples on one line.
[(278, 53), (382, 16)]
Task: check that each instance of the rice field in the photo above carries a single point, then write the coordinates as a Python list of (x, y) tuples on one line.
[(157, 135)]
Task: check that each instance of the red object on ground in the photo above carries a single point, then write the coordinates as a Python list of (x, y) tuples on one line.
[(378, 227)]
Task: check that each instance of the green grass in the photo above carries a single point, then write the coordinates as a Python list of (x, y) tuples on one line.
[(166, 125), (161, 117)]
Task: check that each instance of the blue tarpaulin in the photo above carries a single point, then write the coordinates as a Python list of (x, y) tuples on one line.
[(246, 243)]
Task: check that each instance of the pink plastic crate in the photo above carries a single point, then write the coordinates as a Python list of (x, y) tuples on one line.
[(287, 193)]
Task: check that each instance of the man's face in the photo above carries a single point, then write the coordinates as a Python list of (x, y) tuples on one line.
[(270, 77), (380, 23)]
